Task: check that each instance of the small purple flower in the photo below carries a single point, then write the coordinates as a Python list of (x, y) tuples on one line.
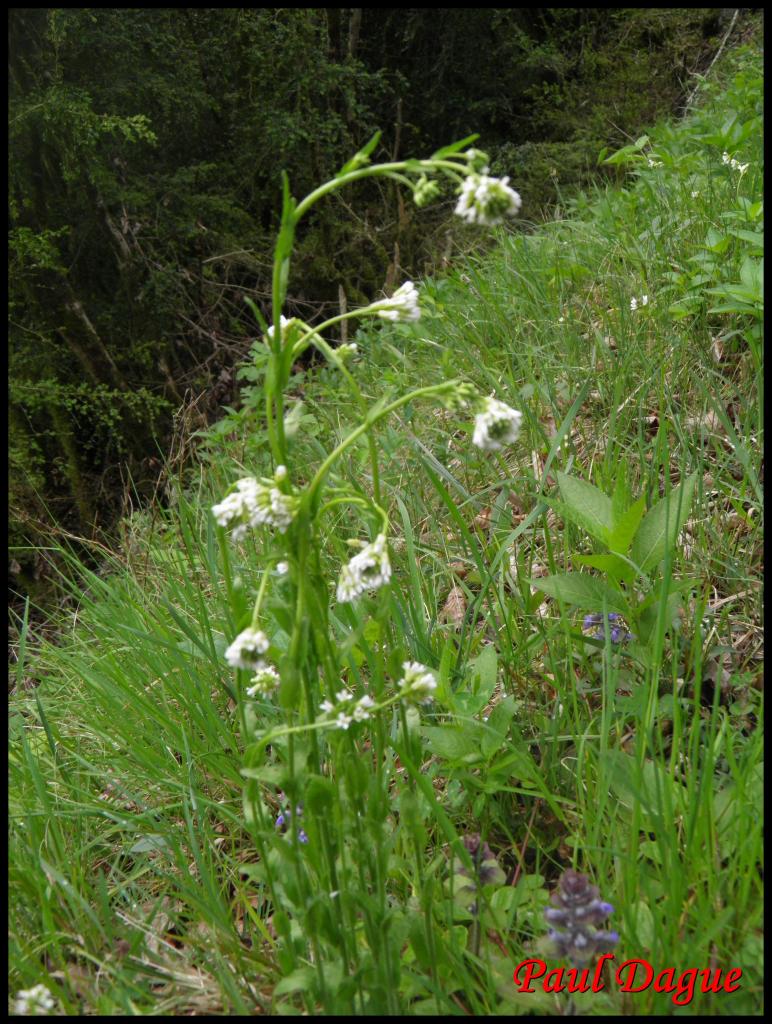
[(594, 621), (283, 820), (576, 912)]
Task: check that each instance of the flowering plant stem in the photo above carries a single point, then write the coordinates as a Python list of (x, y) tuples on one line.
[(334, 887)]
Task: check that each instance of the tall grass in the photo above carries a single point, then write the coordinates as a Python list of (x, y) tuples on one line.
[(137, 883)]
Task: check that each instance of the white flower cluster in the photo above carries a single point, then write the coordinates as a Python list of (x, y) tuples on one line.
[(734, 164), (347, 710), (496, 426), (418, 683), (368, 570), (34, 1002), (264, 682), (246, 649), (486, 200), (403, 304), (634, 302), (256, 503)]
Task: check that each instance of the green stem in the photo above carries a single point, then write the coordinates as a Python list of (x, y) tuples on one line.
[(456, 170), (370, 420), (259, 599)]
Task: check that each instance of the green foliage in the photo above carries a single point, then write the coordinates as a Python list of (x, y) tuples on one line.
[(139, 881), (144, 172)]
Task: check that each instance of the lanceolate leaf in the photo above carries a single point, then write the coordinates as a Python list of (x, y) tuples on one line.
[(583, 591), (625, 526), (662, 524), (585, 505), (455, 147)]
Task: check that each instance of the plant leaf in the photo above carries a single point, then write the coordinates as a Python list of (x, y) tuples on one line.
[(661, 525), (586, 505), (625, 527), (583, 591)]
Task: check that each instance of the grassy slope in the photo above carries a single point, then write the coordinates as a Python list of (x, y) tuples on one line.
[(127, 832)]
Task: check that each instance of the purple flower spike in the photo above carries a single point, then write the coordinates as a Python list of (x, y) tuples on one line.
[(576, 910)]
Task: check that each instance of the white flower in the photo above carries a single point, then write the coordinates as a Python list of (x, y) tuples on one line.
[(256, 503), (496, 426), (246, 649), (265, 681), (34, 1002), (644, 300), (326, 706), (282, 568), (368, 570), (343, 695), (633, 304), (487, 200), (361, 710), (695, 194), (343, 721), (285, 323), (418, 682), (403, 304), (734, 164)]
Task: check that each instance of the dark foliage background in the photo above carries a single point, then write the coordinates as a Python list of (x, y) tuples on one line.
[(145, 151)]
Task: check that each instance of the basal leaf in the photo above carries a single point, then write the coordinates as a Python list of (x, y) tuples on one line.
[(586, 505), (583, 591), (662, 524), (625, 527)]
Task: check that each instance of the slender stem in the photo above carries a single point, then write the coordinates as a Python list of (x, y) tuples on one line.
[(457, 170), (259, 599), (372, 418)]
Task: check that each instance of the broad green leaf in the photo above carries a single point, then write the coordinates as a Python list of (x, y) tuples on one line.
[(586, 505), (483, 670), (497, 726), (662, 524), (651, 787), (583, 591), (612, 564), (302, 979), (625, 526), (455, 743)]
